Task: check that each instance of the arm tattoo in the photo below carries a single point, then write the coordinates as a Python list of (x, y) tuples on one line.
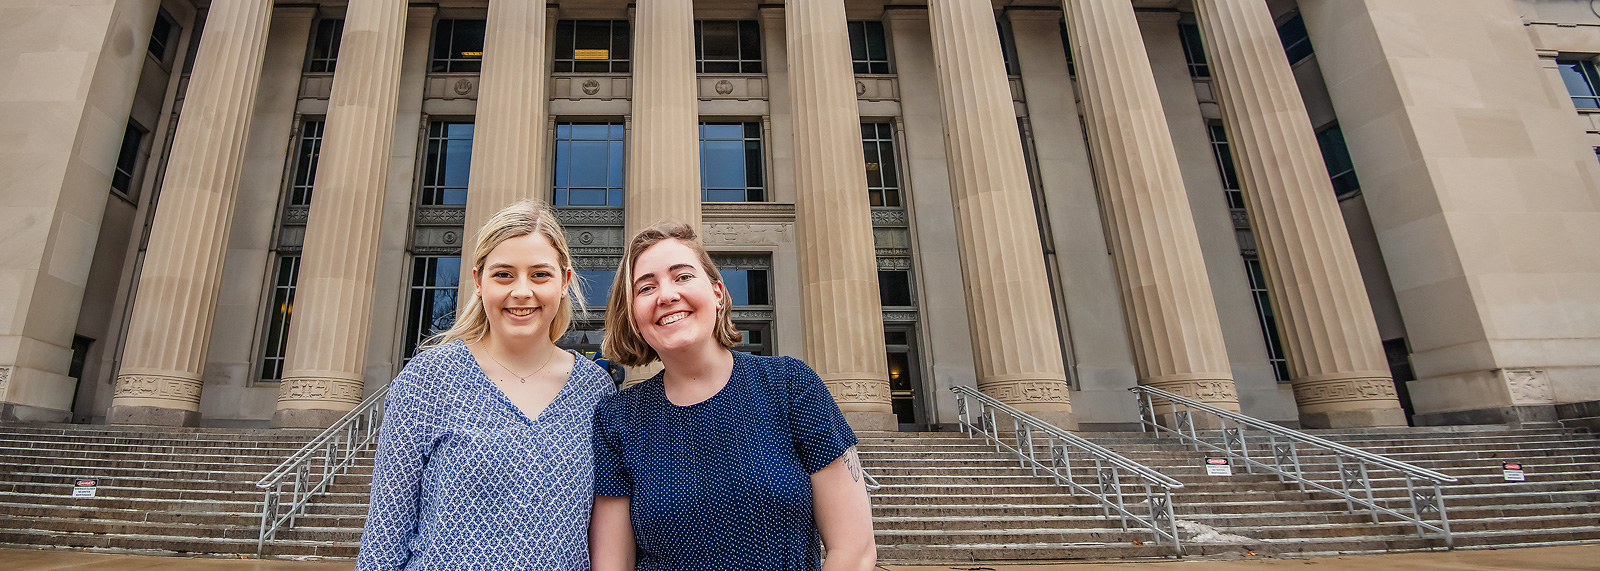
[(854, 463)]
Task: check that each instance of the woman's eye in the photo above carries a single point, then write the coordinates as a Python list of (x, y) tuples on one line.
[(685, 277), (646, 289), (541, 274), (502, 274)]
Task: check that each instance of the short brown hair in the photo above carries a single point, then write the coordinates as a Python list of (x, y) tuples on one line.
[(623, 344)]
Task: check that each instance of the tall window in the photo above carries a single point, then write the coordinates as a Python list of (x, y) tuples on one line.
[(749, 283), (275, 339), (458, 46), (1296, 42), (325, 46), (1224, 156), (432, 307), (127, 160), (305, 163), (894, 286), (883, 176), (1194, 51), (731, 163), (1269, 320), (162, 36), (1336, 156), (444, 177), (600, 46), (595, 286), (1583, 83), (727, 46), (1008, 45), (589, 165), (869, 51)]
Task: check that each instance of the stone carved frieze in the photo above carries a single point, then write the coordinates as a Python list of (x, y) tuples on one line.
[(158, 387), (897, 316), (747, 234), (5, 378), (752, 315), (589, 216), (320, 390), (1528, 386), (296, 214), (1343, 390), (441, 215), (859, 391), (1206, 391), (742, 261), (1026, 392), (887, 217), (596, 262), (894, 263)]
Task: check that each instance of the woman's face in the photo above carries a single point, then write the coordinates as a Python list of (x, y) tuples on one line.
[(674, 301), (521, 284)]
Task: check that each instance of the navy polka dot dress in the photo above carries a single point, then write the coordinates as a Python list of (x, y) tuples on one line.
[(464, 480), (723, 483)]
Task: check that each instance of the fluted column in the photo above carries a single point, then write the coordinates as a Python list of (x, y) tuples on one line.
[(509, 142), (328, 343), (1336, 359), (664, 148), (169, 335), (1166, 295), (1017, 351), (833, 218)]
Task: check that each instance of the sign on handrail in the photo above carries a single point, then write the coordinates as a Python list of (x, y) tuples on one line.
[(1118, 483), (311, 469), (1285, 446)]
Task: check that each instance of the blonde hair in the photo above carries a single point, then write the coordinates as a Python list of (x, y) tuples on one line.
[(521, 218), (623, 343)]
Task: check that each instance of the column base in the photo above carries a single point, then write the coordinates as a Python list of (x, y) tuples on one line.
[(12, 412), (306, 417), (1515, 416), (872, 421), (1358, 418), (152, 416)]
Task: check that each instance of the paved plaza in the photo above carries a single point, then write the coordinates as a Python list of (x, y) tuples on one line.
[(1562, 558)]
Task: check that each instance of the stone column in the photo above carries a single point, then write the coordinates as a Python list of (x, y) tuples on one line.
[(510, 143), (1166, 295), (1336, 360), (1017, 352), (664, 148), (170, 331), (328, 344), (833, 220)]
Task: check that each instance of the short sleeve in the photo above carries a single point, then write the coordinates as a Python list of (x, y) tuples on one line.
[(610, 474), (816, 425)]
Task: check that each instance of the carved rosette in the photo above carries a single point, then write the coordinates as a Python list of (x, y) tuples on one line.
[(1332, 391), (859, 391), (319, 390), (184, 392), (1026, 392)]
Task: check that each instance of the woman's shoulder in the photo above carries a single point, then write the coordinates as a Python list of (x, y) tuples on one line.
[(591, 375), (436, 366), (784, 371)]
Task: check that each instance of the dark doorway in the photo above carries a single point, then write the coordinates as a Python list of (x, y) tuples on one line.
[(905, 379)]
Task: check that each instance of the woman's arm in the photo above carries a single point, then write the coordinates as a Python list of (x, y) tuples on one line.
[(396, 482), (844, 514), (611, 546)]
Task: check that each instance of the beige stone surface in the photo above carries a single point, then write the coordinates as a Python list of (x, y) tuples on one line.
[(664, 144), (1167, 300), (1017, 352), (327, 348), (510, 139), (168, 337), (1330, 337), (833, 225), (1475, 174)]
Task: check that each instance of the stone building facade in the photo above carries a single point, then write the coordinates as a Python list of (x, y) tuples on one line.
[(1335, 213)]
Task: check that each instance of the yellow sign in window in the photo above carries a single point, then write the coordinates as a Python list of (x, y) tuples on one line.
[(471, 54), (591, 54)]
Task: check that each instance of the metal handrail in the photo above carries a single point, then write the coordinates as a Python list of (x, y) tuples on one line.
[(323, 458), (1351, 463), (1109, 467)]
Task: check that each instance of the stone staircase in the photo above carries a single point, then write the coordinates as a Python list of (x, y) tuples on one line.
[(948, 498), (945, 497)]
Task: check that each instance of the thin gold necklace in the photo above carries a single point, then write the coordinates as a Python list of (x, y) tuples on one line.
[(523, 379)]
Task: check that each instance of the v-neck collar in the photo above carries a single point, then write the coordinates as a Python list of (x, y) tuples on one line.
[(483, 378)]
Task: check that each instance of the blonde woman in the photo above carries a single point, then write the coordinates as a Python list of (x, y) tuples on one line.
[(484, 457), (724, 460)]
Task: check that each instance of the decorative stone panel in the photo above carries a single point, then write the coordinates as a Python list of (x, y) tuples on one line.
[(889, 217), (5, 377), (448, 86), (1528, 386), (877, 88), (1343, 391), (859, 391), (316, 86), (320, 390), (591, 87), (158, 387), (737, 87), (746, 233), (441, 216), (1026, 392), (892, 242), (436, 241)]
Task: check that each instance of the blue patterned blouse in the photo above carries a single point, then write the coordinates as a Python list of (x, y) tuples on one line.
[(724, 483), (465, 480)]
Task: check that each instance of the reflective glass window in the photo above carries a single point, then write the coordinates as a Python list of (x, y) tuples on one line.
[(1194, 50), (727, 46), (275, 341), (883, 174), (592, 46), (127, 159), (595, 286), (589, 161), (869, 50), (308, 148), (458, 46), (1336, 156), (731, 163), (747, 287), (448, 164), (1224, 155), (1583, 84), (1296, 42), (431, 307), (1269, 321), (894, 288), (162, 35), (324, 55)]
